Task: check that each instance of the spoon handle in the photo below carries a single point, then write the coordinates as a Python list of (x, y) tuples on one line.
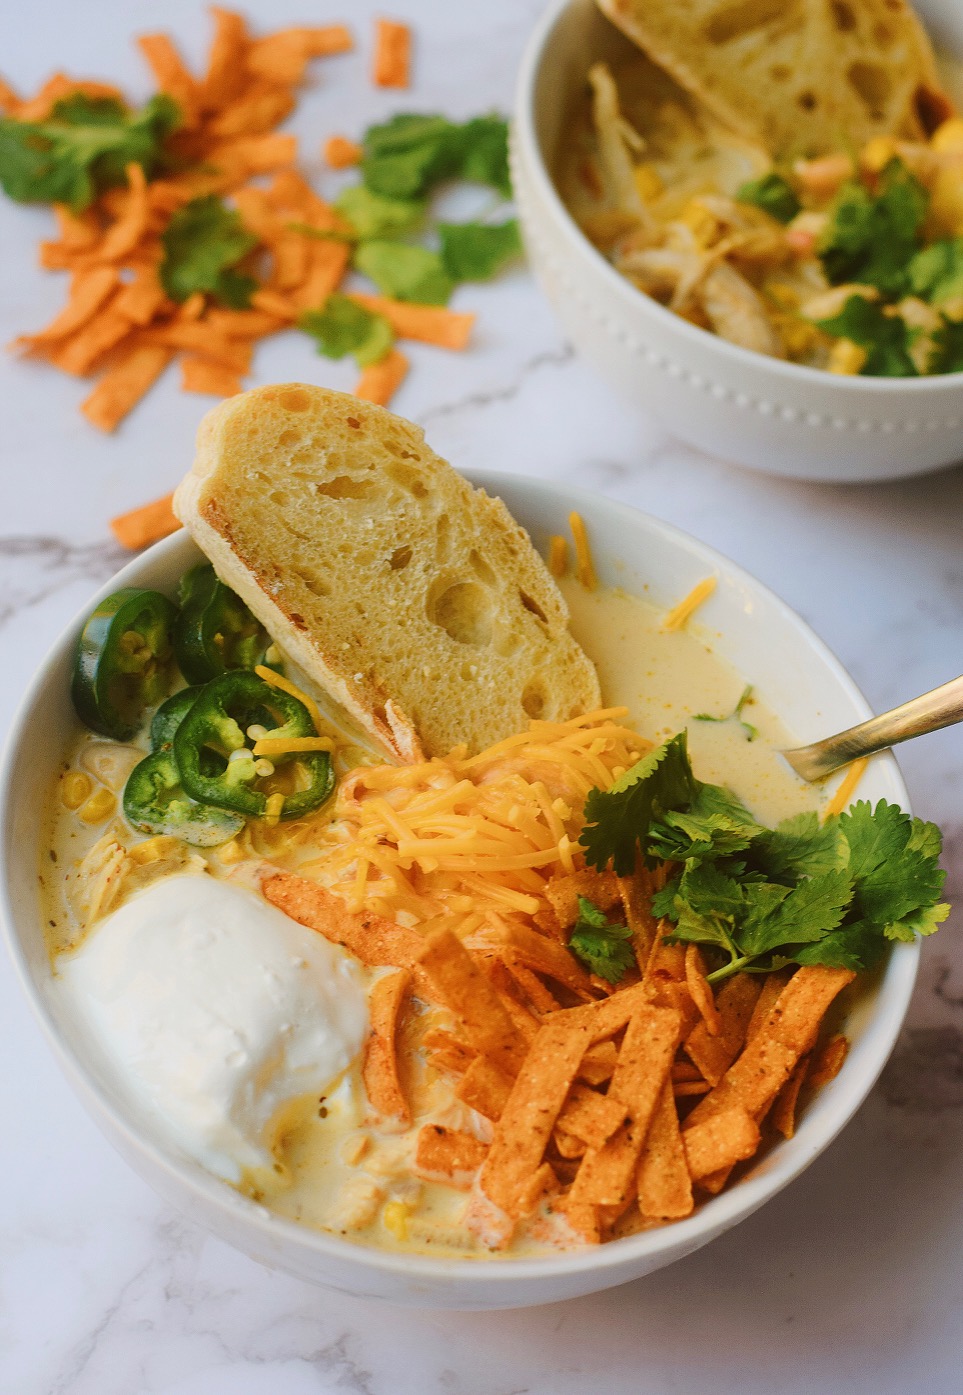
[(939, 708)]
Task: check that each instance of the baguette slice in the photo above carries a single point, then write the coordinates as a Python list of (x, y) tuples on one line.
[(415, 600)]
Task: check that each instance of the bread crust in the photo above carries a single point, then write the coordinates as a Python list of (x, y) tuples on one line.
[(319, 474)]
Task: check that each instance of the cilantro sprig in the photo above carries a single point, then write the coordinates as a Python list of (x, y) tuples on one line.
[(834, 893), (872, 238), (83, 148), (773, 194), (886, 339), (603, 947), (203, 244), (344, 327), (735, 715)]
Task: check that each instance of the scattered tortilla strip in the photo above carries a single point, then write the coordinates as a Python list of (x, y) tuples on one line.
[(145, 525), (772, 986), (141, 299), (680, 615), (590, 1116), (40, 107), (700, 990), (531, 1112), (340, 153), (568, 1145), (563, 892), (88, 292), (449, 1155), (392, 54), (605, 1177), (79, 353), (847, 787), (636, 895), (242, 324), (598, 1063), (238, 157), (485, 1088), (380, 1067), (713, 1055), (226, 75), (827, 1062), (557, 555), (78, 231), (728, 1137), (684, 1088), (783, 1114), (545, 956), (380, 381), (446, 1052), (171, 73), (10, 102), (255, 114), (130, 228), (202, 375), (463, 988), (201, 338), (373, 940), (123, 385), (431, 324), (531, 985), (665, 1187)]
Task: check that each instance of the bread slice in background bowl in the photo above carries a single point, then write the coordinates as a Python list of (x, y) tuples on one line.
[(795, 675), (776, 417)]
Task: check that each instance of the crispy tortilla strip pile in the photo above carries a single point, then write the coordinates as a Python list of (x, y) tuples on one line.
[(119, 322), (597, 1110)]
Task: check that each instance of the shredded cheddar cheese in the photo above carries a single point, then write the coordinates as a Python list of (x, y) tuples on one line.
[(557, 555), (584, 567), (277, 680), (290, 745), (679, 616), (847, 785)]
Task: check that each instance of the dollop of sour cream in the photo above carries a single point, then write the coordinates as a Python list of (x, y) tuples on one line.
[(213, 1010)]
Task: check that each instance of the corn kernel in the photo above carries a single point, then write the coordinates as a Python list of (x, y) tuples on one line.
[(152, 849), (99, 806), (702, 223), (846, 358), (647, 182), (74, 788), (230, 852), (946, 203), (948, 136), (395, 1218), (877, 153), (272, 809)]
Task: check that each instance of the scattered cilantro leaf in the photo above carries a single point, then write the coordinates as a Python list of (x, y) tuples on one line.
[(405, 271), (602, 947), (375, 215), (615, 819), (83, 147), (778, 916), (872, 238), (736, 714), (483, 146), (885, 338), (343, 327), (855, 945), (406, 157), (203, 242), (798, 847), (947, 354), (476, 251), (773, 194), (936, 272)]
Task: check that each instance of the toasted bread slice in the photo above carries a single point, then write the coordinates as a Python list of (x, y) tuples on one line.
[(804, 77), (415, 600)]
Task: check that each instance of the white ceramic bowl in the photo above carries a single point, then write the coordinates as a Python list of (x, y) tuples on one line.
[(777, 417), (792, 671)]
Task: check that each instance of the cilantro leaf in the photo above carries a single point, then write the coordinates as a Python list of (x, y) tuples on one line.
[(475, 251), (83, 147), (406, 157), (936, 273), (855, 945), (947, 355), (375, 215), (343, 327), (615, 819), (798, 916), (872, 238), (735, 715), (603, 948), (798, 847), (886, 338), (773, 194), (203, 242), (483, 151), (405, 271)]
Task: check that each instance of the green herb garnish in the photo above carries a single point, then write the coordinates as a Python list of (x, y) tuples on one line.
[(408, 156), (203, 243), (604, 948), (345, 327), (405, 271), (373, 215), (936, 273), (773, 194), (476, 251), (872, 238), (885, 338), (735, 715), (947, 352)]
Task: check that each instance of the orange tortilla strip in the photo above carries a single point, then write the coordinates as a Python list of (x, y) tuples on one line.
[(255, 114), (713, 1055), (772, 986), (340, 153), (700, 991), (463, 988), (636, 895), (590, 1116), (484, 1087), (665, 1187), (140, 300), (79, 353), (123, 385), (783, 1115), (563, 893), (545, 956), (327, 264), (448, 1155), (380, 381), (431, 324), (146, 525), (171, 73), (727, 1137), (201, 375), (827, 1062), (125, 234), (380, 1068), (446, 1052), (392, 54), (598, 1063), (225, 76), (88, 292), (370, 938), (531, 985)]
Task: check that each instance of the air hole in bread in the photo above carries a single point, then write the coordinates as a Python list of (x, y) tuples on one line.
[(844, 17), (464, 610), (468, 672), (807, 100), (442, 537), (780, 72), (294, 400), (533, 698), (313, 582), (399, 559), (481, 568), (408, 479), (882, 34), (288, 439), (871, 84), (506, 641), (733, 21), (354, 423), (532, 606), (280, 497), (344, 487)]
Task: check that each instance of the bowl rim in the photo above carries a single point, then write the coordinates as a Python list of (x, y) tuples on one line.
[(485, 1273), (529, 148)]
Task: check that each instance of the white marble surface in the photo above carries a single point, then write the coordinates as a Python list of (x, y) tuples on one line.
[(848, 1283)]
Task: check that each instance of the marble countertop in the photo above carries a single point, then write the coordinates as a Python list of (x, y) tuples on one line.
[(849, 1282)]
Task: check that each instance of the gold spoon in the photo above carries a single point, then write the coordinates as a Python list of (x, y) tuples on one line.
[(940, 708)]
